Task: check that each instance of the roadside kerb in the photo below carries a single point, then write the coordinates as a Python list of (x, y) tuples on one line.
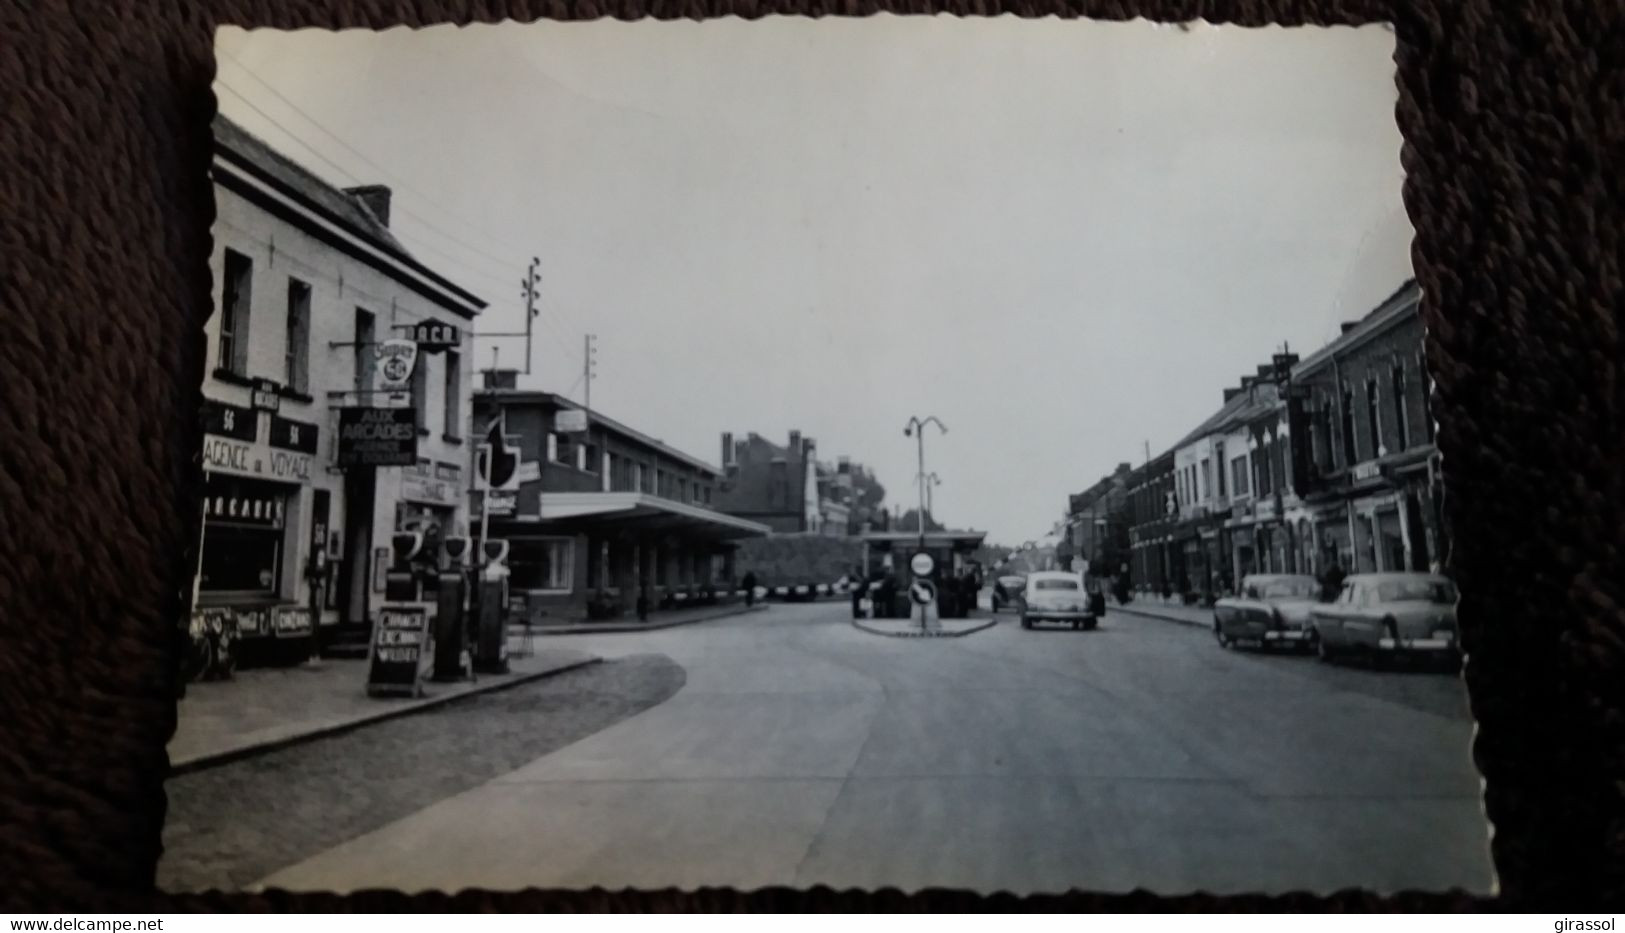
[(599, 628), (213, 759), (1150, 612), (915, 633)]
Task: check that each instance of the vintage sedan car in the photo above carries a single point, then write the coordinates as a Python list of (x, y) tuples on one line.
[(1054, 596), (1388, 614), (1007, 590), (1270, 610)]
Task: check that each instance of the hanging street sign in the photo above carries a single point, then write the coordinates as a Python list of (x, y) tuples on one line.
[(267, 395), (923, 592), (377, 437), (922, 564), (434, 337), (396, 360)]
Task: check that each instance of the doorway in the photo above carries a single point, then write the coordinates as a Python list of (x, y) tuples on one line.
[(355, 577)]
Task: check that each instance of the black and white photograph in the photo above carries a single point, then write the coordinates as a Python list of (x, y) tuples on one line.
[(905, 452)]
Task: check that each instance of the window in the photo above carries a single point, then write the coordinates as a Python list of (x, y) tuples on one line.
[(1402, 427), (453, 415), (1427, 398), (587, 459), (542, 564), (236, 292), (1206, 487), (1238, 476), (553, 447), (1373, 417), (561, 449), (420, 394), (365, 329), (242, 537), (296, 368), (1218, 454), (1349, 456)]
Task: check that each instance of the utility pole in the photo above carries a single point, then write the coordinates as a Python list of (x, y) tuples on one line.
[(589, 365), (533, 278)]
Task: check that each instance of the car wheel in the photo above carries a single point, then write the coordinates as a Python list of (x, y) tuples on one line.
[(1026, 622), (1089, 624), (1219, 636)]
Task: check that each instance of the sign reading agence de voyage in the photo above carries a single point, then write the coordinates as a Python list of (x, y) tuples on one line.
[(377, 437)]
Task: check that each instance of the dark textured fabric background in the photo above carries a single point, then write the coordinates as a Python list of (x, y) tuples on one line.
[(1513, 119)]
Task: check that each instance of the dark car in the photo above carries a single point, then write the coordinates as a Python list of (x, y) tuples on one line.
[(1007, 590)]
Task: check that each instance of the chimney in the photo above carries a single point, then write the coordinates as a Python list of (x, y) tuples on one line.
[(795, 445), (727, 448), (502, 378), (375, 197), (1349, 325), (1231, 393)]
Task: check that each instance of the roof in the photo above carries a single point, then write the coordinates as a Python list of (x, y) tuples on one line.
[(643, 509), (1243, 407), (1394, 307), (535, 397), (253, 155)]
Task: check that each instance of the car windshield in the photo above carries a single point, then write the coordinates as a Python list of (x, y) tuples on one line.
[(1406, 591), (1289, 589), (1055, 584)]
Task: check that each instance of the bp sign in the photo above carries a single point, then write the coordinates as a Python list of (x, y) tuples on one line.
[(922, 564)]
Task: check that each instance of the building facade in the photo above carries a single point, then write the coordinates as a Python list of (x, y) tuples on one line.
[(606, 514), (1097, 526), (785, 488), (1153, 512), (308, 281), (1369, 488)]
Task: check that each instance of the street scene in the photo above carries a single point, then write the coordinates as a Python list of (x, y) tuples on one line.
[(732, 494)]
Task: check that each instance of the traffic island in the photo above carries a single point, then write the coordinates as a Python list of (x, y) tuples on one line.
[(910, 628)]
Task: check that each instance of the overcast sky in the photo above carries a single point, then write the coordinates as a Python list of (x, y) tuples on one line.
[(1062, 238)]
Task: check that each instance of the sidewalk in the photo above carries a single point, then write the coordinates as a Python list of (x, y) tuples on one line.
[(1154, 608), (260, 710), (665, 618), (910, 628)]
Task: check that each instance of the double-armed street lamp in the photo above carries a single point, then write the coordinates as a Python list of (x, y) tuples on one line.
[(916, 429)]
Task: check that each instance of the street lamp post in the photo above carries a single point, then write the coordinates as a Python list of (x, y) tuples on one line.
[(916, 429)]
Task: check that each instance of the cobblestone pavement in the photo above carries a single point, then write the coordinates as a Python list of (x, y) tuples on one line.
[(232, 825)]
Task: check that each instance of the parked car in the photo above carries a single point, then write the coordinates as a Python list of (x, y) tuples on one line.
[(1269, 610), (1388, 614), (1054, 596), (1007, 590)]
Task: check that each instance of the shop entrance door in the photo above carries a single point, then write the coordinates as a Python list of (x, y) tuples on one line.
[(355, 578)]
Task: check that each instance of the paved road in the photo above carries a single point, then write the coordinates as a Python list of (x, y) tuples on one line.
[(802, 751)]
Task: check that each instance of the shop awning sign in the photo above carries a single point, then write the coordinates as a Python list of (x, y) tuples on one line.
[(434, 336), (377, 437)]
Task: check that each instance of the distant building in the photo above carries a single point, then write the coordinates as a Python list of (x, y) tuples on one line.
[(785, 487), (1097, 525)]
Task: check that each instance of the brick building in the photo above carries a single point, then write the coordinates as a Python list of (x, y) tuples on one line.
[(605, 512), (1368, 487), (1097, 524), (784, 487), (1153, 511)]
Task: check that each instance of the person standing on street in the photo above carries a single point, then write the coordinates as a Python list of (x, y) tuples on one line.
[(1332, 582), (749, 582)]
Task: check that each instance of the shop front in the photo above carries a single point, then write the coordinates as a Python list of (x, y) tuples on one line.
[(264, 521)]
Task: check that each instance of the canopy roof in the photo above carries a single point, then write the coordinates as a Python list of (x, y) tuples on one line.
[(966, 540), (637, 511)]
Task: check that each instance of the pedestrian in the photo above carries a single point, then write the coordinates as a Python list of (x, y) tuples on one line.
[(858, 588), (1332, 581), (749, 582)]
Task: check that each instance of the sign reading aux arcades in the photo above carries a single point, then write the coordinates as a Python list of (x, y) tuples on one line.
[(377, 437)]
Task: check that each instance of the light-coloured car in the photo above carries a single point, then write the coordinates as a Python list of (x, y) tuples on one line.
[(1270, 610), (1053, 596), (1385, 614)]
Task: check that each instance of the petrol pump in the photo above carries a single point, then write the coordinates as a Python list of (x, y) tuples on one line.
[(450, 625), (491, 646)]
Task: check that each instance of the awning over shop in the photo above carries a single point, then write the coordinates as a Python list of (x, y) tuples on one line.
[(640, 512)]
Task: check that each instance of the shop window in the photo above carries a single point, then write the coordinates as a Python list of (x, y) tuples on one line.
[(242, 538), (542, 564), (236, 293), (296, 357)]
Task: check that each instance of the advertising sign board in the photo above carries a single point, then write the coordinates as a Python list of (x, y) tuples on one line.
[(377, 437), (395, 664)]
